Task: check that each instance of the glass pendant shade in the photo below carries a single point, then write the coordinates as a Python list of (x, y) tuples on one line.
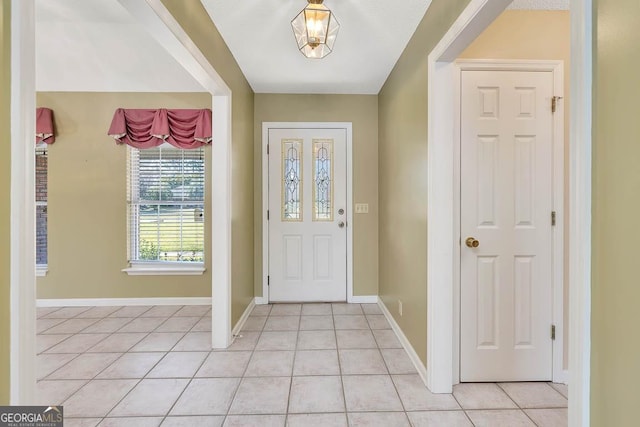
[(315, 29)]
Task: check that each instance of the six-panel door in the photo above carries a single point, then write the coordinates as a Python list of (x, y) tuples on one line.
[(506, 204)]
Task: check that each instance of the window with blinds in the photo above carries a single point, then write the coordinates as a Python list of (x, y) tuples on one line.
[(166, 205)]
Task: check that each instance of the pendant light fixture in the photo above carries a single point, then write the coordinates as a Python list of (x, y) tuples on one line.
[(315, 29)]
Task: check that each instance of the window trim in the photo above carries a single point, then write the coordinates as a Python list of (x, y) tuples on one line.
[(42, 270), (155, 268), (164, 268)]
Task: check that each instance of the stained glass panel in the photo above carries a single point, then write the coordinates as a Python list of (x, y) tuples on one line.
[(323, 179), (292, 180)]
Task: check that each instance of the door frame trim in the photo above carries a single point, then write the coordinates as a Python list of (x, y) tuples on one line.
[(154, 16), (476, 17), (167, 31), (556, 67), (22, 271), (266, 126)]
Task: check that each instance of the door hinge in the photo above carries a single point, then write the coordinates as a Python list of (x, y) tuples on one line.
[(554, 103), (267, 149), (268, 280), (553, 218), (553, 332), (267, 214)]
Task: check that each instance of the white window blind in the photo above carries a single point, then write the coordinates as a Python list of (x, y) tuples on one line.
[(166, 204), (41, 205)]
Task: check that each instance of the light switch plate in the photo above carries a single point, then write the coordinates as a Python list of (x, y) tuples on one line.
[(362, 208)]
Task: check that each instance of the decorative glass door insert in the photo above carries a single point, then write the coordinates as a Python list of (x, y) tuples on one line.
[(323, 179), (292, 179)]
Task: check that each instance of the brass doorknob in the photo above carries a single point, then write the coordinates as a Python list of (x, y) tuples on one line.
[(472, 242)]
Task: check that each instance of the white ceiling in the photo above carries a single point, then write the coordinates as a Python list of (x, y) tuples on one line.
[(97, 46), (372, 36)]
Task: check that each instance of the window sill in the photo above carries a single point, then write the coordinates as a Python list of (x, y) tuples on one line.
[(42, 270), (164, 269)]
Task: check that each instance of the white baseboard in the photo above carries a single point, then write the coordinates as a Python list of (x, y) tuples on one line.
[(364, 299), (243, 318), (103, 302), (357, 299), (415, 359)]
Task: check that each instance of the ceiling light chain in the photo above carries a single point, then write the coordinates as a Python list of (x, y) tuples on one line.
[(315, 29)]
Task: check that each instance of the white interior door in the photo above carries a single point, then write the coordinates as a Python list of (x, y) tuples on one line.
[(307, 215), (506, 204)]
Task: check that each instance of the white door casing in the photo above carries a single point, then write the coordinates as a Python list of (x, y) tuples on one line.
[(443, 205), (506, 204), (166, 30), (307, 206)]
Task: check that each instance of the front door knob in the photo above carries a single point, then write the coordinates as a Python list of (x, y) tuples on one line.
[(472, 242), (341, 224)]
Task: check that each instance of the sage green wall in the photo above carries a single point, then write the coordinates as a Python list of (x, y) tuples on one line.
[(362, 111), (87, 201), (615, 358), (515, 34), (5, 200), (403, 176), (194, 19)]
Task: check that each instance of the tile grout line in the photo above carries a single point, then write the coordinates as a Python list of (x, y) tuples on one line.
[(66, 320), (47, 313), (508, 395), (132, 388), (88, 326), (293, 365), (464, 411), (344, 393), (297, 349), (46, 316), (167, 353), (550, 384), (46, 378), (195, 372), (127, 393), (253, 351), (50, 347), (524, 409), (86, 381), (395, 387), (517, 408), (78, 316), (138, 381), (117, 403), (55, 370)]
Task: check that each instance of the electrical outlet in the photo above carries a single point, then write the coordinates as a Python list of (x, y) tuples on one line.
[(400, 307)]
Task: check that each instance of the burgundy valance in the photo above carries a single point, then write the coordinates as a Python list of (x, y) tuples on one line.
[(44, 126), (141, 128)]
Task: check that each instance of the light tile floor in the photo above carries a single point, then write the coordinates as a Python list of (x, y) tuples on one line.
[(295, 365)]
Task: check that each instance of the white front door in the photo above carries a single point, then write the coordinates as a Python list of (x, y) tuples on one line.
[(307, 215), (506, 204)]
